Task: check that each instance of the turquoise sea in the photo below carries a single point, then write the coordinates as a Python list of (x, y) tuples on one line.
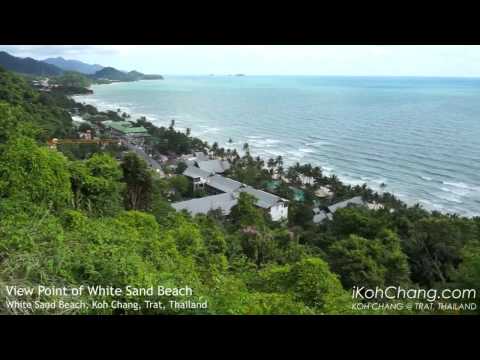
[(419, 136)]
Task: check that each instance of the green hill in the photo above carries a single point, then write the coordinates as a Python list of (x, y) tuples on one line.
[(112, 74), (27, 65), (41, 109)]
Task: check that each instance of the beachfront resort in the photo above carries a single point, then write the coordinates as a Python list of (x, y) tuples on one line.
[(206, 175)]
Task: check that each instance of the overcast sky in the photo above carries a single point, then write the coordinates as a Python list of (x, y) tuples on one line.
[(364, 60)]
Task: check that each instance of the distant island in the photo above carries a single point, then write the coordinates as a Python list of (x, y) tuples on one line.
[(110, 74)]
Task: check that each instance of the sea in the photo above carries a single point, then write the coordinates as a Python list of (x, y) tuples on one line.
[(418, 136)]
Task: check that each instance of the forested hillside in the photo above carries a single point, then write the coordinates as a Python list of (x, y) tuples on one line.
[(26, 105), (73, 65), (27, 65), (111, 73), (67, 221)]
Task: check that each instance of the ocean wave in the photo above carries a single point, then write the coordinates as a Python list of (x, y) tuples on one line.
[(306, 150), (262, 142), (450, 198), (463, 192), (317, 143), (351, 179), (461, 185), (209, 131), (275, 153), (429, 205)]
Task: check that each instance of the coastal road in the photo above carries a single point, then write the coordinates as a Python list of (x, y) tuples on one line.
[(154, 164)]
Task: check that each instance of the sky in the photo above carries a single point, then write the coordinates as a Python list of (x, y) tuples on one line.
[(348, 60)]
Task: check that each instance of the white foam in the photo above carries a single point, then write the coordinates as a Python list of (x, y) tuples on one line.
[(209, 130), (459, 192), (462, 185), (452, 199), (317, 143), (306, 150)]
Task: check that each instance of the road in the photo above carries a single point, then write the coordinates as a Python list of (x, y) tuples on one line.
[(154, 164)]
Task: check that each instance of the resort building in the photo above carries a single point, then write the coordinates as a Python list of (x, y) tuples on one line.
[(375, 206), (126, 129), (320, 215), (323, 192), (200, 156), (357, 200), (198, 176), (224, 202), (225, 194), (306, 180), (214, 166), (218, 183), (276, 206)]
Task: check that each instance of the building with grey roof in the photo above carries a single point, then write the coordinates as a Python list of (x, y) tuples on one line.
[(216, 166), (223, 184), (202, 178), (357, 200), (264, 199), (225, 202), (201, 156), (276, 206), (199, 177), (189, 162), (321, 215), (194, 172)]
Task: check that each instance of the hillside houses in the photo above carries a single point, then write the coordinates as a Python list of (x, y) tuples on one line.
[(224, 192)]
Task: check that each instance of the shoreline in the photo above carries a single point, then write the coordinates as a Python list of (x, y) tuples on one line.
[(408, 200)]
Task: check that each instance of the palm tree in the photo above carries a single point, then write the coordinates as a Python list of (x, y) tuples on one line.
[(271, 163), (215, 147), (221, 152), (280, 170), (279, 161)]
